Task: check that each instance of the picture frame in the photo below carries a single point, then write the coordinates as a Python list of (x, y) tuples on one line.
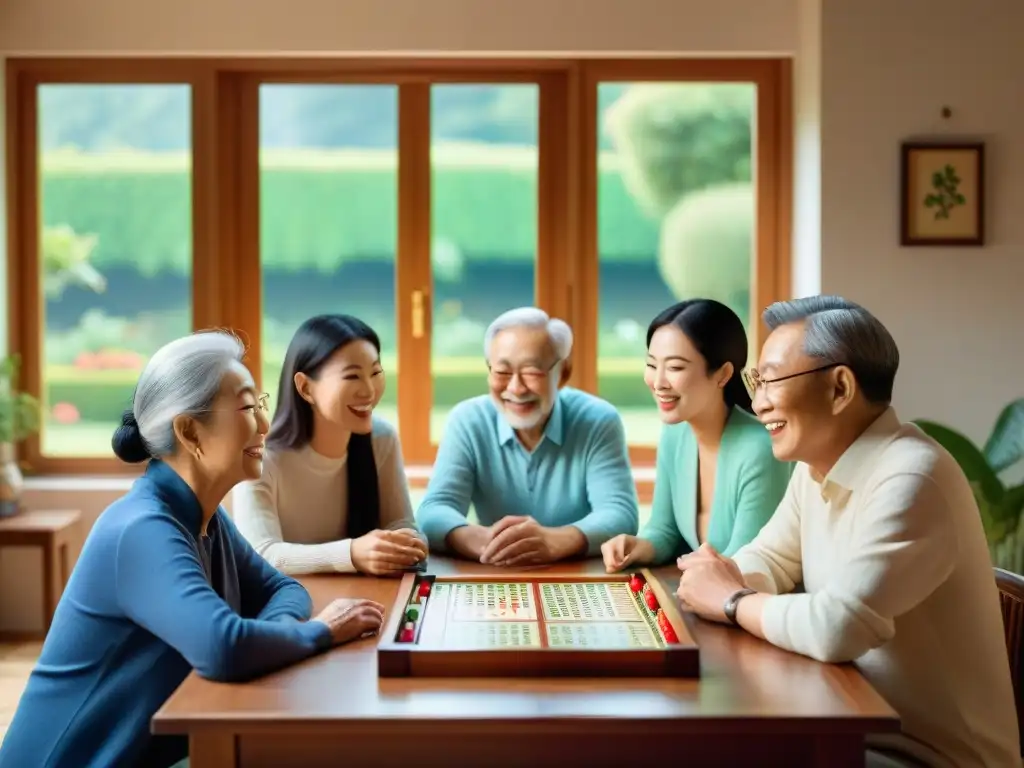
[(942, 193)]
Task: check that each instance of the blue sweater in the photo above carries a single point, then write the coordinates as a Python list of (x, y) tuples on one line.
[(578, 475), (149, 600)]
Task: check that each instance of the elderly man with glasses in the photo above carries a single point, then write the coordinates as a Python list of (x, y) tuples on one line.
[(545, 466), (880, 527)]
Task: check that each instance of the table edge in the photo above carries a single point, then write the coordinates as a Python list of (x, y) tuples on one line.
[(273, 723)]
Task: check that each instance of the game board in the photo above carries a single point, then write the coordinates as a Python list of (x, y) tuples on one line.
[(535, 625)]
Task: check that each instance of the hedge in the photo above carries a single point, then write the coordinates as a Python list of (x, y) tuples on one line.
[(321, 208), (102, 396)]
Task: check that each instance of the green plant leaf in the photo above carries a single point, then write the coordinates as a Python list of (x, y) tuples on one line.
[(1005, 446), (970, 458), (27, 416), (20, 413), (1002, 519), (1013, 502)]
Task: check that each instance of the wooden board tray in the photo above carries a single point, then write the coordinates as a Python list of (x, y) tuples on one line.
[(530, 625)]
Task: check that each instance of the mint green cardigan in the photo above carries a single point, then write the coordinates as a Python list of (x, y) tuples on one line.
[(749, 484)]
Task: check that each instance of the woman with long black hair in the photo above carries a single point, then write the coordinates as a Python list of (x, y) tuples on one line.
[(333, 495), (717, 480)]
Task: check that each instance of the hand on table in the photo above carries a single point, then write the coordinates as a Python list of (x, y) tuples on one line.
[(708, 580), (350, 619), (387, 553), (707, 553), (626, 550), (469, 540), (518, 540)]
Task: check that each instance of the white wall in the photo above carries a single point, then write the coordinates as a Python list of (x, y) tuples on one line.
[(888, 67), (263, 27), (806, 268)]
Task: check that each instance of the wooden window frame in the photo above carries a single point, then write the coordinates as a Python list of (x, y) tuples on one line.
[(773, 154), (213, 268), (226, 275)]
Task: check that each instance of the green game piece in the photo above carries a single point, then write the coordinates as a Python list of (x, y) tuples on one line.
[(412, 614)]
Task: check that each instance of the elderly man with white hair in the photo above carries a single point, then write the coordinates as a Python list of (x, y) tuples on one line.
[(545, 466), (880, 526)]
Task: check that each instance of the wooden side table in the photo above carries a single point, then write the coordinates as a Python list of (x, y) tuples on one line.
[(51, 532)]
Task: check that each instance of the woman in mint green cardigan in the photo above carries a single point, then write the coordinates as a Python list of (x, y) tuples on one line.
[(717, 480)]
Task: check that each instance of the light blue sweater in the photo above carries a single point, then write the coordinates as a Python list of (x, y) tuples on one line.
[(749, 484), (578, 474)]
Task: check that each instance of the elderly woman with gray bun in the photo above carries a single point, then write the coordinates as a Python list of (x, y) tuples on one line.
[(165, 583)]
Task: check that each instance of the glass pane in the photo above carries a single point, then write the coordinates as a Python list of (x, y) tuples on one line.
[(115, 170), (328, 216), (484, 220), (675, 220)]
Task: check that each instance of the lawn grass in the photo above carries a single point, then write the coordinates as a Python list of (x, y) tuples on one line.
[(443, 366), (93, 438)]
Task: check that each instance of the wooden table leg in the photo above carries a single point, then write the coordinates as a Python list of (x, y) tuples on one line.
[(212, 749), (838, 751), (49, 588)]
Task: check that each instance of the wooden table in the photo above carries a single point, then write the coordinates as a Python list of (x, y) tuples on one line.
[(51, 532), (754, 705)]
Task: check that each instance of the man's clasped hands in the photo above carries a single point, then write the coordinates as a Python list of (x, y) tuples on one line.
[(516, 541)]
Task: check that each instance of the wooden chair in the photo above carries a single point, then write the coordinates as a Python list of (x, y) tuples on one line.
[(1011, 599)]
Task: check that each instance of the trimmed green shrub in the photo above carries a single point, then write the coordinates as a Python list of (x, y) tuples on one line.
[(317, 216), (677, 138), (707, 246), (104, 398)]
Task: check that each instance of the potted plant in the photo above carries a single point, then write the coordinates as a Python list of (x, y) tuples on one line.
[(1001, 503), (19, 418)]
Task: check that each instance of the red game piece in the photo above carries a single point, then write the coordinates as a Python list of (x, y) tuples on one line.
[(651, 600), (636, 582), (667, 631), (408, 633), (424, 588)]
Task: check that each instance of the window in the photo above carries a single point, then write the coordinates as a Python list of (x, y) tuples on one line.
[(483, 236), (684, 198), (328, 216), (115, 250), (426, 197)]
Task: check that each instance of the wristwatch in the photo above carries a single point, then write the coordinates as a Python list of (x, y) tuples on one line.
[(733, 602)]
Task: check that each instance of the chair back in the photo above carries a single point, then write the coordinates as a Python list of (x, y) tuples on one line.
[(1011, 600)]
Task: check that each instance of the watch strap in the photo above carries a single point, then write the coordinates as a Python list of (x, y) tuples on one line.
[(733, 602)]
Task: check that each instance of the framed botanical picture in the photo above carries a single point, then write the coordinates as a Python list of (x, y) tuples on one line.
[(942, 194)]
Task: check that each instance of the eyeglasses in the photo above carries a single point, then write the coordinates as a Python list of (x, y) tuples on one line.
[(262, 404), (528, 373), (752, 377)]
